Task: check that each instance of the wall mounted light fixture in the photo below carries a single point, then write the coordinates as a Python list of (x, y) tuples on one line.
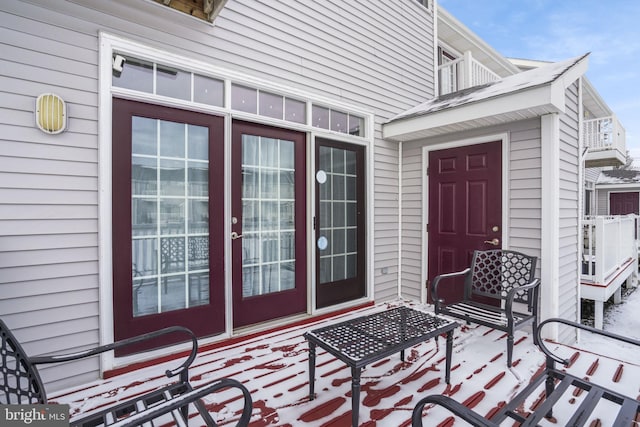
[(51, 113)]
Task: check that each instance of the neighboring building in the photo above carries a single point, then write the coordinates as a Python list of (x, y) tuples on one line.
[(288, 159), (617, 192)]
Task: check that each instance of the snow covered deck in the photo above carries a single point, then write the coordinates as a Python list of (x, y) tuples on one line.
[(274, 367)]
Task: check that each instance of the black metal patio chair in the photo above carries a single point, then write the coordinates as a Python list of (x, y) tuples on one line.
[(500, 276), (20, 383)]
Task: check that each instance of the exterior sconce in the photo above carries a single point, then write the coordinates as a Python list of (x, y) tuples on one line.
[(51, 113)]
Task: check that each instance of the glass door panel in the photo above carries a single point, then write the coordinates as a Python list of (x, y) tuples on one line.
[(167, 236), (340, 213), (269, 229)]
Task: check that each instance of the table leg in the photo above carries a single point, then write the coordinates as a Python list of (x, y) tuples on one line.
[(312, 369), (355, 396), (447, 373)]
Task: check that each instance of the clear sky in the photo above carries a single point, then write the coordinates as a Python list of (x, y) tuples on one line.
[(553, 30)]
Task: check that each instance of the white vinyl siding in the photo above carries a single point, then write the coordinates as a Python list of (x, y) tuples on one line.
[(569, 209), (375, 55)]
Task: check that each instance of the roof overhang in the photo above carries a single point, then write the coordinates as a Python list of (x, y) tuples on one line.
[(509, 106)]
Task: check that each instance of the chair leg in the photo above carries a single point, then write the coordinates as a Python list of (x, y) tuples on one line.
[(509, 348)]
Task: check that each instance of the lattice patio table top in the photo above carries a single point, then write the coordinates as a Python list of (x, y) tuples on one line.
[(365, 339)]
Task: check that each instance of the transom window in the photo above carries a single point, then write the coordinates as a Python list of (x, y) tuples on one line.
[(158, 79)]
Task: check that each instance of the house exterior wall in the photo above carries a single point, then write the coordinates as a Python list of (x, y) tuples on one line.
[(377, 55), (523, 207)]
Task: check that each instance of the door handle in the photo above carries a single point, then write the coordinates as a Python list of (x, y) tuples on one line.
[(495, 241), (235, 235)]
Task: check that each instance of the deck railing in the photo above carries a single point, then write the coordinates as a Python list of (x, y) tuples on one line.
[(463, 73), (609, 242), (604, 133)]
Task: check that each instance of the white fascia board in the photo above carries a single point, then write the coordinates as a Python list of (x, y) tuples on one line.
[(541, 96), (560, 85), (624, 187)]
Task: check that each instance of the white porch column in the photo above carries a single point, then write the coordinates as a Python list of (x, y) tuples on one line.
[(550, 239)]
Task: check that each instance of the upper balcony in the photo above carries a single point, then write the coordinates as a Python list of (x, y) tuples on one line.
[(605, 141), (463, 73)]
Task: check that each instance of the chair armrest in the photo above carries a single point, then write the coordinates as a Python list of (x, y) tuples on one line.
[(552, 357), (123, 343), (512, 294), (456, 407), (189, 397), (436, 282)]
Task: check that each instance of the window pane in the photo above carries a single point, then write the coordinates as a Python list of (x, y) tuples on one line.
[(144, 176), (173, 82), (144, 257), (172, 139), (198, 289), (145, 296), (172, 219), (320, 117), (198, 216), (270, 105), (198, 142), (198, 179), (172, 292), (295, 111), (136, 75), (208, 91), (356, 125), (143, 217), (338, 121), (198, 253), (244, 99), (172, 178), (144, 136), (172, 254)]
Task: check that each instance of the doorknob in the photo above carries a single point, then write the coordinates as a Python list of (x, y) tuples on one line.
[(235, 235), (495, 241)]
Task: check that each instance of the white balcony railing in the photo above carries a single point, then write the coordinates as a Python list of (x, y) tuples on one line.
[(463, 73), (605, 133), (609, 243)]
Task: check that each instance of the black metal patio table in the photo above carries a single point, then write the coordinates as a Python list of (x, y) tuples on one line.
[(361, 341)]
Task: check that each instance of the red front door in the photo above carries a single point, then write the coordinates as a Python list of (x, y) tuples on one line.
[(168, 179), (269, 233), (623, 203), (465, 208)]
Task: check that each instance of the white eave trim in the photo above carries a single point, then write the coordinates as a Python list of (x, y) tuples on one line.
[(541, 100)]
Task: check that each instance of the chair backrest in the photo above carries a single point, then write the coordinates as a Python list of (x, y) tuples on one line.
[(20, 382), (495, 272)]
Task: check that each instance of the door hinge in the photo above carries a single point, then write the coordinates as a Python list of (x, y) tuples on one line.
[(314, 222)]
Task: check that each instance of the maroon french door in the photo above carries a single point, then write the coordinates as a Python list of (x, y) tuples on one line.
[(340, 222), (465, 208), (168, 183), (624, 203), (268, 224)]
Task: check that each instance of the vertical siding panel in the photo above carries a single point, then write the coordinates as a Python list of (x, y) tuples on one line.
[(569, 208)]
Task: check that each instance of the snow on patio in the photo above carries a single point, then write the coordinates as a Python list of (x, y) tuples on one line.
[(274, 366)]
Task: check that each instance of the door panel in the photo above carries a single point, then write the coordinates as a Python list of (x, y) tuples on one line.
[(268, 224), (465, 208), (340, 222), (167, 237), (623, 203)]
